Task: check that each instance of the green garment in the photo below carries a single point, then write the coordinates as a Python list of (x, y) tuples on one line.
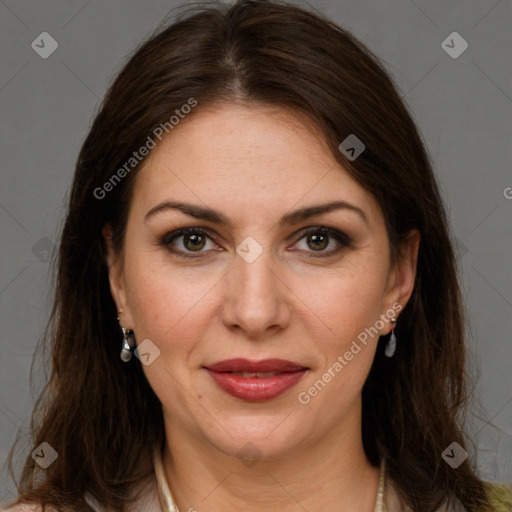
[(501, 497)]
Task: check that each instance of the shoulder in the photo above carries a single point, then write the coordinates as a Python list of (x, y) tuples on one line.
[(23, 507), (501, 497), (147, 498), (26, 507)]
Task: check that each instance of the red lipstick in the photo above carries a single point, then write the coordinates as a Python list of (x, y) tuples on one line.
[(255, 381)]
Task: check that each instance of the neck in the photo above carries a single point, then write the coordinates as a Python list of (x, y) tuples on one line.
[(331, 474)]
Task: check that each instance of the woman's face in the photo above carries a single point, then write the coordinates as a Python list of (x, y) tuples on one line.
[(255, 286)]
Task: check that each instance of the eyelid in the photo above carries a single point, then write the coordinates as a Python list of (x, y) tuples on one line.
[(169, 237), (332, 232), (342, 238)]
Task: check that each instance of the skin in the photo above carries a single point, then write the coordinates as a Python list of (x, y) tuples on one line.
[(253, 165)]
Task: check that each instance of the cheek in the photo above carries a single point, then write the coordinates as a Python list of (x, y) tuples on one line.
[(169, 308), (349, 306), (346, 300), (165, 303)]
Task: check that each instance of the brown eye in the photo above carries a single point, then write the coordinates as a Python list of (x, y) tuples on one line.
[(194, 242), (317, 242), (184, 242)]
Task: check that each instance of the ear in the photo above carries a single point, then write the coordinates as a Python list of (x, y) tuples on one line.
[(116, 279), (402, 277)]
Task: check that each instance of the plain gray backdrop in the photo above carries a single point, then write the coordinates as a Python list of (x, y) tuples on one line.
[(461, 103)]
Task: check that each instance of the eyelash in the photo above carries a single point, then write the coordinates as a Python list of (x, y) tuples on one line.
[(340, 237)]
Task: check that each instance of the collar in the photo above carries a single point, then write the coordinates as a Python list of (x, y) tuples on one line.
[(164, 493)]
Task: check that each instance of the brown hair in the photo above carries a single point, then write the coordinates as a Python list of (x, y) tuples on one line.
[(98, 412)]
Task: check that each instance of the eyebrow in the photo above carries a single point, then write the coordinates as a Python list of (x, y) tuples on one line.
[(291, 218)]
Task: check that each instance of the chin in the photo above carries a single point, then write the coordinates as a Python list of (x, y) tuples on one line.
[(256, 438)]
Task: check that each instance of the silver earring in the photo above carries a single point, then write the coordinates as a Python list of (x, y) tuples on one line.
[(128, 343), (391, 344)]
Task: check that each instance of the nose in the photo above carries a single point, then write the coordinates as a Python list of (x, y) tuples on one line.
[(256, 298)]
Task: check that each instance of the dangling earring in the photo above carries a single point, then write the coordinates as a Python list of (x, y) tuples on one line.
[(128, 343), (391, 344)]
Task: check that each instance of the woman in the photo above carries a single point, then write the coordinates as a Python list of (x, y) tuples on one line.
[(257, 305)]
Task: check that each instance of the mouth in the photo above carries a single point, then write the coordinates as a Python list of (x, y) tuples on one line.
[(256, 381), (260, 375)]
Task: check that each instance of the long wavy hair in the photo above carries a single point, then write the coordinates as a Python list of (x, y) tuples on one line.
[(97, 412)]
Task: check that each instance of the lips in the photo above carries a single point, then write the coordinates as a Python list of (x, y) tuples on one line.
[(256, 381), (244, 365)]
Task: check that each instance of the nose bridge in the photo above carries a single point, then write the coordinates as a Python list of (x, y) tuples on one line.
[(255, 299), (256, 276)]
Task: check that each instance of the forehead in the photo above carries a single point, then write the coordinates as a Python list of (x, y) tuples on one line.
[(242, 158)]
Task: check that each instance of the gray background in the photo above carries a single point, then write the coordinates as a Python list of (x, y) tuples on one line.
[(463, 107)]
